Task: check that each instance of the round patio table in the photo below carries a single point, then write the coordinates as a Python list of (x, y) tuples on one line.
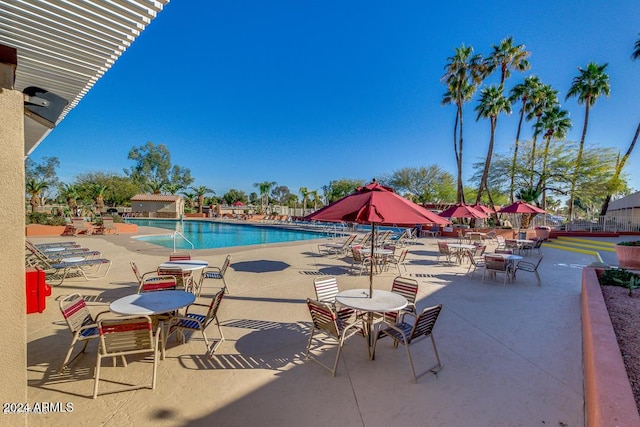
[(185, 265), (380, 302)]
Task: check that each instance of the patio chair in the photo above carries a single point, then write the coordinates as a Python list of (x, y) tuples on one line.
[(326, 289), (434, 231), (496, 264), (531, 267), (123, 336), (153, 283), (140, 276), (359, 259), (191, 321), (179, 256), (107, 226), (214, 273), (81, 323), (184, 279), (444, 251), (535, 245), (500, 242), (398, 260), (409, 333), (365, 240), (326, 321), (476, 260), (408, 288)]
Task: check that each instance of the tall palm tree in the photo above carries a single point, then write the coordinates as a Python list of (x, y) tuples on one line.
[(190, 199), (316, 198), (543, 97), (34, 189), (154, 186), (506, 57), (554, 123), (492, 102), (304, 193), (463, 74), (587, 87), (265, 188), (523, 93), (172, 188), (199, 194)]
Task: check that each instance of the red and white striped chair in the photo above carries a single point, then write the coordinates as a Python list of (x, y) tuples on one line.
[(408, 288), (123, 336), (408, 333), (326, 321), (179, 256), (326, 290), (81, 323)]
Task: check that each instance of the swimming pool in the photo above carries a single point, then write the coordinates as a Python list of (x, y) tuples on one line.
[(211, 235)]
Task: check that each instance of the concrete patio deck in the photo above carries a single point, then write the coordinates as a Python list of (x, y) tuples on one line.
[(512, 356)]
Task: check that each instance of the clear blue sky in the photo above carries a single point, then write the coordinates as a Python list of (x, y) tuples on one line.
[(305, 92)]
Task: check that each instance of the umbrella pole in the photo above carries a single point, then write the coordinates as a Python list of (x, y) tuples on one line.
[(373, 246)]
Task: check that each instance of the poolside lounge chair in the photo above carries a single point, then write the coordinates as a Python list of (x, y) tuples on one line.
[(107, 226), (34, 255), (78, 226), (57, 272), (337, 248)]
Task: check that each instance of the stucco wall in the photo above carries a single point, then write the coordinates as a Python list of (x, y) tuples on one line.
[(13, 334)]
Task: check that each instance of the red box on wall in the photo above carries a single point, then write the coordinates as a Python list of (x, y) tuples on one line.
[(37, 290)]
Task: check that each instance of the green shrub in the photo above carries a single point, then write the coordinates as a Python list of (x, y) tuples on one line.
[(617, 277), (44, 219)]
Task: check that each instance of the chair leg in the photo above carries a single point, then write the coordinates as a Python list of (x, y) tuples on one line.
[(95, 384)]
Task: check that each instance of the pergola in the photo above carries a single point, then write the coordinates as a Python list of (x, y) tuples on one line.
[(62, 47)]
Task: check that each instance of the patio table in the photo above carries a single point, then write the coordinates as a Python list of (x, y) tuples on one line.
[(460, 249), (380, 302), (153, 304)]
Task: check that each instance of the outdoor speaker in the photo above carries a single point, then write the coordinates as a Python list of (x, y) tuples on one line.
[(42, 106)]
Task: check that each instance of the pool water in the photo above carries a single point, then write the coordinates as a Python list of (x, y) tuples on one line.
[(211, 235)]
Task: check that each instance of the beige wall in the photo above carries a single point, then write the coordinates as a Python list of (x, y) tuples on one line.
[(13, 333)]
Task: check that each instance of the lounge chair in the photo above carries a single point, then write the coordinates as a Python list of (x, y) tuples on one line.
[(78, 226), (57, 272), (107, 226), (34, 255), (337, 248)]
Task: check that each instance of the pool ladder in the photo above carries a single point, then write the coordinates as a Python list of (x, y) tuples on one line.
[(177, 233)]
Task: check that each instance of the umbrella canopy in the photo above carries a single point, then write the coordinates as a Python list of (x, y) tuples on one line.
[(376, 204), (521, 207), (483, 208), (238, 203), (461, 210)]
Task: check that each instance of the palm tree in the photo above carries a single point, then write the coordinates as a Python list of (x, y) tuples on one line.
[(189, 199), (636, 50), (507, 57), (543, 97), (304, 192), (529, 195), (70, 193), (172, 188), (199, 193), (34, 189), (588, 86), (316, 198), (154, 186), (98, 191), (463, 74), (265, 187), (492, 102), (522, 92), (554, 123)]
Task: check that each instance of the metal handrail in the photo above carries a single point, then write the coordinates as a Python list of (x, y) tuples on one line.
[(177, 233)]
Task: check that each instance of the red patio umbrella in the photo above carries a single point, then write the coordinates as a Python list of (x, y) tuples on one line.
[(483, 208), (461, 210), (238, 203), (521, 207), (376, 204)]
